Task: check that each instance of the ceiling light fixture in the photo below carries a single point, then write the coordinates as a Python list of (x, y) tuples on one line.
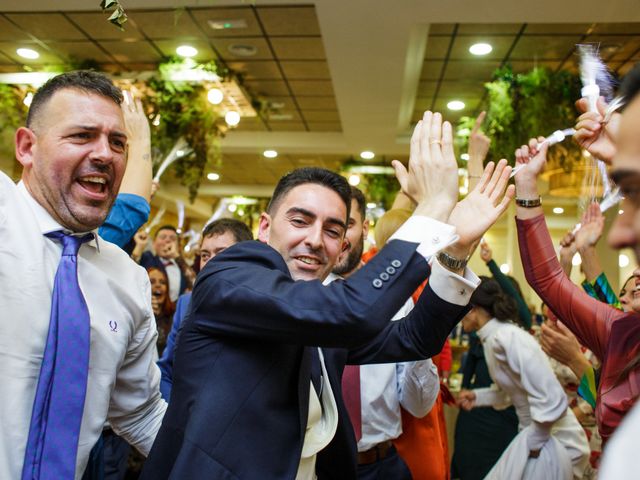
[(232, 118), (215, 96), (465, 157), (505, 268), (227, 24), (480, 49), (623, 260), (558, 210), (455, 105), (270, 153), (241, 50), (367, 155), (27, 53), (186, 51), (354, 180), (213, 176), (28, 99), (232, 207), (372, 205)]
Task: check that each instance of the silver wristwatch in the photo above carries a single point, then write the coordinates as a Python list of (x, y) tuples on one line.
[(452, 263)]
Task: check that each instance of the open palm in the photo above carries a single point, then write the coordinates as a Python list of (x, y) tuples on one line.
[(476, 213)]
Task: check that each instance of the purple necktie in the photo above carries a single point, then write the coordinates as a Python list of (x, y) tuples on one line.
[(52, 445), (351, 396)]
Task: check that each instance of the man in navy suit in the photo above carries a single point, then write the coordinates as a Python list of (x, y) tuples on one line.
[(253, 396)]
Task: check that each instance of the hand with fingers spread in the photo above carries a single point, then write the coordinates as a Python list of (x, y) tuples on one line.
[(431, 180), (592, 134), (591, 228), (478, 148), (138, 174), (481, 208)]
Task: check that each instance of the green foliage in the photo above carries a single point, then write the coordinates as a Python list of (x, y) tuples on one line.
[(524, 105), (184, 111), (381, 189)]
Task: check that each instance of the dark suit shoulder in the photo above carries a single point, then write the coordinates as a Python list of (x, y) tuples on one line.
[(250, 253)]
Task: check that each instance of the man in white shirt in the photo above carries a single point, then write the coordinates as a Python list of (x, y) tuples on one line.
[(382, 388), (73, 151)]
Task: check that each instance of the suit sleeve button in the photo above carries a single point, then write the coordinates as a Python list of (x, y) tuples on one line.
[(377, 283), (396, 263)]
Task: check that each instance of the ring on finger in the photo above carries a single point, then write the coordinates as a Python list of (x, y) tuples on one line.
[(439, 142)]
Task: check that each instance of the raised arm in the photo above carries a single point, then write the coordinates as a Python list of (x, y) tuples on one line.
[(586, 317)]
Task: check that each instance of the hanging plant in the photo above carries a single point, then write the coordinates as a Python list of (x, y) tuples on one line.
[(524, 105), (180, 109)]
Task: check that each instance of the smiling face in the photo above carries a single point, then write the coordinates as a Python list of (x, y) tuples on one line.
[(357, 230), (74, 157), (215, 244), (159, 288), (307, 228)]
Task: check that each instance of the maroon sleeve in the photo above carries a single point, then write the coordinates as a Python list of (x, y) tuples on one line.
[(589, 319)]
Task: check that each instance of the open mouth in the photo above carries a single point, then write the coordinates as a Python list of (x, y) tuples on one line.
[(97, 186), (308, 260)]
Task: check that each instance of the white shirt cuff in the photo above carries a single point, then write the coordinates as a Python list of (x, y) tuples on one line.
[(431, 234), (450, 286)]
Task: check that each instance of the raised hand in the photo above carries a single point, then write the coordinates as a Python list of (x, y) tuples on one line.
[(485, 252), (432, 178), (567, 250), (137, 176), (598, 138), (591, 227), (478, 147), (482, 207)]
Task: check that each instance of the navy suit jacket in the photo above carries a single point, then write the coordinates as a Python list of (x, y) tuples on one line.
[(166, 360), (240, 397)]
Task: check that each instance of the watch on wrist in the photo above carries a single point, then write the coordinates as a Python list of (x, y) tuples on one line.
[(452, 263), (527, 203)]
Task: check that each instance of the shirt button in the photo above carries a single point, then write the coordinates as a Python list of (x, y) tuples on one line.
[(384, 276), (391, 270), (396, 263), (377, 283)]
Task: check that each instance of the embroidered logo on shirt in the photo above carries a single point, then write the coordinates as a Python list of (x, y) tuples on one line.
[(113, 325)]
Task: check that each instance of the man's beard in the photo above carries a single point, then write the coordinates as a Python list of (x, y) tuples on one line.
[(352, 260)]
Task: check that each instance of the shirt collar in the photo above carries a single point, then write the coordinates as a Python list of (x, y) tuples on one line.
[(488, 329), (46, 223), (330, 278)]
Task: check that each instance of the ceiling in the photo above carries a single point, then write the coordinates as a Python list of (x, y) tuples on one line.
[(340, 77)]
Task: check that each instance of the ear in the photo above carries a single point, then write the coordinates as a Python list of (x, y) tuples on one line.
[(25, 143), (264, 226), (365, 228)]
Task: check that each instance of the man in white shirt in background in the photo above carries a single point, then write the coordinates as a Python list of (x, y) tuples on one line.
[(382, 388), (60, 383)]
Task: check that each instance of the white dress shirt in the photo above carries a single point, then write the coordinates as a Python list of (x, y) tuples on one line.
[(123, 380), (174, 275), (523, 377), (385, 387)]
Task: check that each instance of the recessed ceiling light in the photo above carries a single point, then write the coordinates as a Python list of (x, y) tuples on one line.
[(28, 99), (354, 180), (213, 176), (372, 205), (27, 53), (242, 50), (623, 260), (232, 118), (505, 268), (232, 207), (367, 155), (186, 51), (480, 49), (455, 105), (215, 96), (270, 153), (558, 210), (465, 157)]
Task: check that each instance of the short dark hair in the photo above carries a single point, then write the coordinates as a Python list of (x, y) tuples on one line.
[(319, 176), (358, 196), (490, 296), (86, 80), (630, 84), (221, 226), (165, 227)]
